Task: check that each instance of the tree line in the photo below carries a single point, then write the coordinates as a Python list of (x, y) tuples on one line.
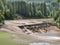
[(11, 10), (29, 10)]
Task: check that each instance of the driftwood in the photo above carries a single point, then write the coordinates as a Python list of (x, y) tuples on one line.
[(42, 27), (1, 24)]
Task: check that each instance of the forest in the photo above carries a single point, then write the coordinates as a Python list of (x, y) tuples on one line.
[(13, 10)]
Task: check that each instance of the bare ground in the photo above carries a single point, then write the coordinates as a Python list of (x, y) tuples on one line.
[(11, 26)]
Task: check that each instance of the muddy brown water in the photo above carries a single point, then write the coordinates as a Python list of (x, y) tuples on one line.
[(50, 35), (44, 43)]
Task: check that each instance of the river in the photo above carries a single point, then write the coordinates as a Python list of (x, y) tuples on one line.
[(44, 44), (52, 38)]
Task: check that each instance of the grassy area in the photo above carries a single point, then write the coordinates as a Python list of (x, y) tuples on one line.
[(6, 39)]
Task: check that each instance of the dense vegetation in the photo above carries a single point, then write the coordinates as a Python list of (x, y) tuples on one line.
[(11, 10), (57, 15)]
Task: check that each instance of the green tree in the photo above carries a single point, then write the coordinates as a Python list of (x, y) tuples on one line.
[(56, 16), (1, 12), (58, 0)]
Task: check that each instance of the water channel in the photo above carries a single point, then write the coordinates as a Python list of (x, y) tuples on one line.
[(44, 43), (50, 37)]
